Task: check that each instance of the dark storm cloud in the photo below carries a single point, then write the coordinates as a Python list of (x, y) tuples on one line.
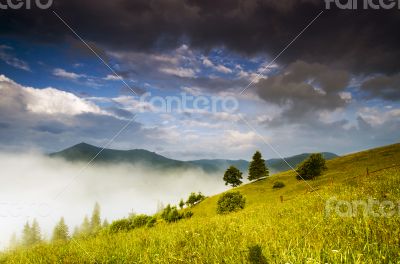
[(305, 89), (386, 87), (359, 40)]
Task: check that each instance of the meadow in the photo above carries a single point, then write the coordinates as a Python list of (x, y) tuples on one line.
[(288, 225)]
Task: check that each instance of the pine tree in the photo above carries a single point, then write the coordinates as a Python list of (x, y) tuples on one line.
[(105, 223), (26, 235), (31, 234), (85, 228), (181, 204), (35, 232), (60, 232), (95, 221), (233, 176), (76, 232), (257, 168)]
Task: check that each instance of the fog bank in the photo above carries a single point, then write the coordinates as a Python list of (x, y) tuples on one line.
[(35, 186)]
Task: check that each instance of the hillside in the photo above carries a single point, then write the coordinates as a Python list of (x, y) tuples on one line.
[(301, 229), (85, 153), (279, 165)]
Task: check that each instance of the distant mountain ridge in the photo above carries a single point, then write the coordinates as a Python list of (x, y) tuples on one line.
[(278, 165), (84, 152)]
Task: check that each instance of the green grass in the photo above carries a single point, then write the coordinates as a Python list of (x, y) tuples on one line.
[(295, 231)]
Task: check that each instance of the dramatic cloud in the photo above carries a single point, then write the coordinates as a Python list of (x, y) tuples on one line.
[(209, 48), (360, 40), (304, 89), (178, 68), (384, 86)]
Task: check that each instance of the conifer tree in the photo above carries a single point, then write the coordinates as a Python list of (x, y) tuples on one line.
[(76, 232), (26, 235), (257, 168), (95, 221), (85, 228), (35, 232), (60, 232), (105, 223), (181, 204)]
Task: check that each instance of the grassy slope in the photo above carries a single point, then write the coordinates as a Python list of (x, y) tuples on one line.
[(296, 231)]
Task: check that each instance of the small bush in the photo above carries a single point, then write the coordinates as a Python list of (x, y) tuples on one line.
[(311, 168), (256, 256), (195, 199), (151, 222), (188, 214), (120, 225), (278, 185), (171, 214), (230, 202), (127, 224), (139, 221)]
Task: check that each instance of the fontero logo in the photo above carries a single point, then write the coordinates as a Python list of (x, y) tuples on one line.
[(364, 4), (25, 4)]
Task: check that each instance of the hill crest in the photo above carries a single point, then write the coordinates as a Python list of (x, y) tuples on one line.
[(85, 152)]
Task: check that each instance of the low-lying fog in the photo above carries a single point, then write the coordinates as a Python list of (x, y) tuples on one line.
[(35, 186)]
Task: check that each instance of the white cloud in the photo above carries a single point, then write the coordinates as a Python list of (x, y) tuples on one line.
[(224, 116), (48, 101), (220, 68), (223, 69), (67, 75), (112, 77), (261, 72), (199, 124), (165, 58), (377, 117), (133, 104), (180, 72), (346, 96), (207, 62), (251, 76), (11, 60), (329, 117), (238, 140), (196, 91), (52, 101)]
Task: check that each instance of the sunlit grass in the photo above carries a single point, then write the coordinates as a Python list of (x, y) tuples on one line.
[(295, 231)]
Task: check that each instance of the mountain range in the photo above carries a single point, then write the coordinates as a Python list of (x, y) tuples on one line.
[(84, 152)]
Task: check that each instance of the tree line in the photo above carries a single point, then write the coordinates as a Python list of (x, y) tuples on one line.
[(32, 235), (309, 169)]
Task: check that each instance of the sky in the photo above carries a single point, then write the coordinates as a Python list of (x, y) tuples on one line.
[(199, 79)]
